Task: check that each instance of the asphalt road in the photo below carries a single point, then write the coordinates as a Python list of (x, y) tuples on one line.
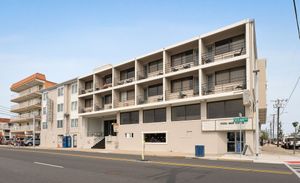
[(34, 166)]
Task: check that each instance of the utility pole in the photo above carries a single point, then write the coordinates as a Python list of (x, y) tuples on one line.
[(256, 71), (279, 103), (33, 132), (273, 127)]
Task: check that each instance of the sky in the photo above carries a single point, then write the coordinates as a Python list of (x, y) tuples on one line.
[(67, 38)]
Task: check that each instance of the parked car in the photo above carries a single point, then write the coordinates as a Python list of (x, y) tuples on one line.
[(288, 142), (29, 141)]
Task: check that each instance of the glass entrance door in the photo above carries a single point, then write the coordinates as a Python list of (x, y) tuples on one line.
[(108, 128), (233, 142)]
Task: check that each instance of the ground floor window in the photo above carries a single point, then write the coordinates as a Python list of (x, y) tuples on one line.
[(234, 144), (155, 137), (129, 117)]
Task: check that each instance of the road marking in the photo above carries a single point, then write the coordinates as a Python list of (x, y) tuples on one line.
[(46, 164), (162, 162), (294, 167)]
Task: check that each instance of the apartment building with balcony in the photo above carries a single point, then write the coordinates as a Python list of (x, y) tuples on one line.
[(4, 128), (177, 97), (59, 116), (27, 97)]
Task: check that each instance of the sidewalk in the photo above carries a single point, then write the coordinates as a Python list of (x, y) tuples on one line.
[(269, 154)]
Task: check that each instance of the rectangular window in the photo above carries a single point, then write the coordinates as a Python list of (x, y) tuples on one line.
[(129, 117), (44, 110), (225, 109), (107, 79), (155, 137), (74, 106), (60, 107), (60, 91), (107, 99), (182, 58), (127, 74), (74, 88), (74, 123), (59, 123), (154, 115), (155, 90), (155, 66), (44, 125), (229, 44), (230, 75), (45, 96), (186, 112), (182, 84), (129, 135), (88, 84), (127, 95), (88, 102)]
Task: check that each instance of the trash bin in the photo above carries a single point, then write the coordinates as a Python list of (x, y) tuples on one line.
[(199, 150), (69, 141)]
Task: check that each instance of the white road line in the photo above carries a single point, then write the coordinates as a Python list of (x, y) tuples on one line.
[(295, 172), (56, 166)]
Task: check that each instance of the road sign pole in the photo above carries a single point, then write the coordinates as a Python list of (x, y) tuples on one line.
[(240, 114)]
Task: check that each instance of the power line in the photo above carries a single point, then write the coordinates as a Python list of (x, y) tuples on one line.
[(296, 15), (288, 100)]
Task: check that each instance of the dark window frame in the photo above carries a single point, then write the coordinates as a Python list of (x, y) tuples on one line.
[(155, 139), (185, 117), (157, 87), (181, 80), (230, 77), (126, 74), (182, 57), (157, 63), (155, 117), (223, 113), (108, 99), (107, 79), (131, 117)]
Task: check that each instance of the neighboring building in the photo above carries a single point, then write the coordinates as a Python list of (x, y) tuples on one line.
[(28, 107), (177, 97), (4, 128), (60, 114)]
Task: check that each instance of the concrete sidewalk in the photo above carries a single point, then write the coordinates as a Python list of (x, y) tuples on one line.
[(269, 154)]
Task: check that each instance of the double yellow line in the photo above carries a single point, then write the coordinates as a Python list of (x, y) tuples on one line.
[(161, 162)]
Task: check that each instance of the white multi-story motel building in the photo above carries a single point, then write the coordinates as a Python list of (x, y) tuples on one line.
[(175, 98)]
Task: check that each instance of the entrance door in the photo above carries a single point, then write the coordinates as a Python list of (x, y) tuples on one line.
[(108, 128), (233, 142), (74, 140)]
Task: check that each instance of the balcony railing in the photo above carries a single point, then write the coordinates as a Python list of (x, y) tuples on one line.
[(188, 62), (223, 52), (99, 107), (85, 90), (126, 103), (124, 81), (142, 74), (26, 92), (85, 109), (26, 104), (25, 116), (149, 99), (102, 87), (25, 128), (186, 92), (238, 83)]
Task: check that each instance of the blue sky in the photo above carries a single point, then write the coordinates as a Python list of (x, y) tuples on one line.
[(67, 38)]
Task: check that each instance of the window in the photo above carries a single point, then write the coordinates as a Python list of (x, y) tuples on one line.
[(155, 90), (155, 137), (225, 109), (107, 79), (44, 125), (127, 95), (107, 99), (182, 84), (129, 117), (88, 102), (182, 58), (154, 115), (155, 66), (45, 96), (59, 123), (186, 112), (230, 75), (129, 135), (60, 91), (74, 123), (60, 107), (88, 85), (44, 110), (74, 88), (127, 74), (229, 44), (74, 106)]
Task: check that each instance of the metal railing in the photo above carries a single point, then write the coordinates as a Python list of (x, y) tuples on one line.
[(126, 103), (26, 104), (25, 128), (85, 109), (141, 99), (142, 74), (102, 87), (229, 50), (181, 93), (25, 116), (124, 81), (95, 134), (85, 91), (99, 107), (188, 62), (238, 83), (34, 89)]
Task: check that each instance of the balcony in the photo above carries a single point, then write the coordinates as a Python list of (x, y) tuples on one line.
[(149, 99), (24, 128), (230, 50), (144, 74), (225, 124), (25, 117), (85, 109), (86, 85), (186, 92), (126, 103), (235, 84), (27, 94), (26, 106), (184, 62), (103, 101)]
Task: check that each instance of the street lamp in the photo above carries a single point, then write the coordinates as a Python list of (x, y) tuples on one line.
[(295, 124)]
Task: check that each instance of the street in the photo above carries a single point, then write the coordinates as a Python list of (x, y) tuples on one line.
[(29, 166)]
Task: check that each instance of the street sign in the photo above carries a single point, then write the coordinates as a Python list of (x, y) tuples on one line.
[(240, 120)]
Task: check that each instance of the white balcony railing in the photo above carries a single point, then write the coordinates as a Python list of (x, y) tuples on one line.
[(26, 92), (26, 104)]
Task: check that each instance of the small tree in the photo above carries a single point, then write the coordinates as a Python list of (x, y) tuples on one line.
[(264, 135)]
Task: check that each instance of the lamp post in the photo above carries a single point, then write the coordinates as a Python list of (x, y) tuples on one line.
[(295, 124)]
